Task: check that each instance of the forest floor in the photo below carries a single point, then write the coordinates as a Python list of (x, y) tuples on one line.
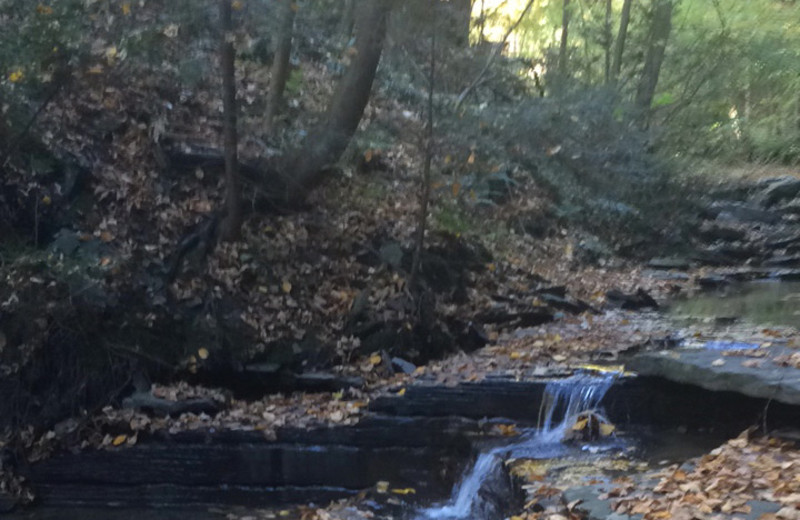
[(318, 277)]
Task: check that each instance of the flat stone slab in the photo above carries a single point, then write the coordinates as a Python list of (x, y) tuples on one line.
[(709, 368)]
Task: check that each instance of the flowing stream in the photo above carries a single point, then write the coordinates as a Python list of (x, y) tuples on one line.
[(563, 400)]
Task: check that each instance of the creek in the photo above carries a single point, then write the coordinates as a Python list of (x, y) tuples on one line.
[(765, 302), (435, 440)]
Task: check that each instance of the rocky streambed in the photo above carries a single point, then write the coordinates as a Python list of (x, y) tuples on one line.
[(467, 450)]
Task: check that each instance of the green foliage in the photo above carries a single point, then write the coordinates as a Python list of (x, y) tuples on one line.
[(36, 42)]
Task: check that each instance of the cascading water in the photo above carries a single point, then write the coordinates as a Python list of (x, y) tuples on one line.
[(563, 400), (566, 398)]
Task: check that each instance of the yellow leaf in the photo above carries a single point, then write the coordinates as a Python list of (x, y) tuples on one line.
[(515, 355), (456, 188), (44, 9), (382, 486), (471, 158), (580, 425), (508, 430), (16, 76), (295, 7), (401, 392), (111, 53), (338, 395), (491, 267), (237, 5), (97, 69), (448, 159), (119, 439), (202, 353), (105, 261), (126, 9), (404, 491), (606, 429), (46, 200), (368, 155), (286, 286), (375, 359)]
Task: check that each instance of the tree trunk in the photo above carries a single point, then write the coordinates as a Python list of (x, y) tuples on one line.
[(660, 27), (232, 225), (325, 145), (619, 49), (280, 62), (425, 184), (482, 23), (563, 49), (607, 41)]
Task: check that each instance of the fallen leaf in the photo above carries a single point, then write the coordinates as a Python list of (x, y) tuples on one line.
[(404, 491)]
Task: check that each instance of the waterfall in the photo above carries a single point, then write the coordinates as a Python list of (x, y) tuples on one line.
[(465, 494), (566, 398), (563, 400)]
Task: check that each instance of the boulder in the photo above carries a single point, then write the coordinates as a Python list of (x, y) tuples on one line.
[(739, 212), (782, 189)]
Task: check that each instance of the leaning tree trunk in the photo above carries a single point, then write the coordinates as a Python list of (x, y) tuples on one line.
[(660, 27), (232, 225), (563, 48), (619, 48), (280, 62), (325, 145)]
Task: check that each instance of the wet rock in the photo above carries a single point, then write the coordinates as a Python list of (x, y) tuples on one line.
[(779, 190), (403, 366), (713, 231), (631, 302), (791, 208), (783, 241), (726, 211), (712, 257), (740, 251), (678, 263), (701, 367), (497, 496), (782, 261), (590, 505), (788, 275)]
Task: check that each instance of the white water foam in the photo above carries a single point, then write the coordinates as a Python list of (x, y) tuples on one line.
[(563, 400)]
